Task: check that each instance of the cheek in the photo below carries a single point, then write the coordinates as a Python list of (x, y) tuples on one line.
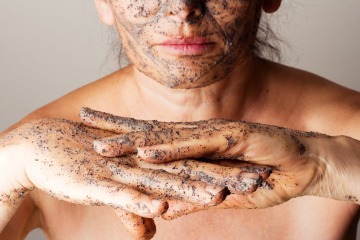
[(137, 11), (227, 11)]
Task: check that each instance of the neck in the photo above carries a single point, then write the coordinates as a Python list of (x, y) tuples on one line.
[(229, 98)]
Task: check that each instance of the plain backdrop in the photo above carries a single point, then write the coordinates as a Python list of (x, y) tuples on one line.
[(48, 48)]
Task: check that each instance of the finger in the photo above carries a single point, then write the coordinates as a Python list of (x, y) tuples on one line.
[(119, 124), (179, 208), (111, 122), (128, 143), (139, 228), (121, 144), (124, 144), (135, 202), (189, 148), (278, 189), (163, 184), (263, 171), (107, 192), (243, 178)]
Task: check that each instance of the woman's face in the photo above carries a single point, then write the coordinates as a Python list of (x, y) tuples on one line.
[(186, 43)]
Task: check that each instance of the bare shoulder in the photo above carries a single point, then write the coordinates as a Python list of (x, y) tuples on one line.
[(38, 205), (101, 95), (320, 104)]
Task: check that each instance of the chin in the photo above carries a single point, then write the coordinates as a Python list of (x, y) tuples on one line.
[(189, 82), (188, 77)]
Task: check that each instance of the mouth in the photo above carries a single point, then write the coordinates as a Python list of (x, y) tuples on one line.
[(186, 46)]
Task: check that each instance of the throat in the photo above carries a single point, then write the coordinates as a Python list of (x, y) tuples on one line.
[(229, 98)]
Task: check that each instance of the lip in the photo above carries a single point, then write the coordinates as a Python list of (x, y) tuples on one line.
[(186, 46)]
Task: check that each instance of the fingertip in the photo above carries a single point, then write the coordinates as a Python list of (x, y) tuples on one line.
[(160, 205), (84, 115), (138, 227), (179, 208), (167, 217), (221, 196), (98, 145), (104, 149), (150, 228), (83, 111)]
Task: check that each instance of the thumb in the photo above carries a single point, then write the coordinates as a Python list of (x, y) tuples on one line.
[(139, 228)]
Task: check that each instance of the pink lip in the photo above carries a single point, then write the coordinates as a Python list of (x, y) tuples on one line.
[(186, 41), (186, 46)]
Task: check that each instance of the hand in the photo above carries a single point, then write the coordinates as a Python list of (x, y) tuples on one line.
[(140, 133), (302, 163), (296, 165), (57, 157)]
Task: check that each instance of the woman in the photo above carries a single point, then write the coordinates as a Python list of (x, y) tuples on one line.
[(192, 60)]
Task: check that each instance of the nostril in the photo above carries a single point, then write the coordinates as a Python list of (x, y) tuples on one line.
[(188, 11)]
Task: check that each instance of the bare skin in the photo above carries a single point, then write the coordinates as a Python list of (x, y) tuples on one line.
[(255, 91), (146, 25), (302, 163), (138, 133), (59, 159), (59, 153), (94, 96)]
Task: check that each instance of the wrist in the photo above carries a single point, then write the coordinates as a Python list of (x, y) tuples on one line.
[(346, 161), (337, 160)]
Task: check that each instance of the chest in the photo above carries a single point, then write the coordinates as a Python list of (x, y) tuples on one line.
[(297, 219)]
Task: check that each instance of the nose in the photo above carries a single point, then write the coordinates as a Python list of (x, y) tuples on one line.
[(186, 10)]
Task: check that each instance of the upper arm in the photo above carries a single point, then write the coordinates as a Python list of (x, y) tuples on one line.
[(333, 110), (352, 124)]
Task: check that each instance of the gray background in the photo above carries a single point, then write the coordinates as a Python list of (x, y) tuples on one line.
[(48, 48)]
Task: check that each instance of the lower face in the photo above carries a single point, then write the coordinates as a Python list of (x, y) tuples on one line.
[(192, 53)]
